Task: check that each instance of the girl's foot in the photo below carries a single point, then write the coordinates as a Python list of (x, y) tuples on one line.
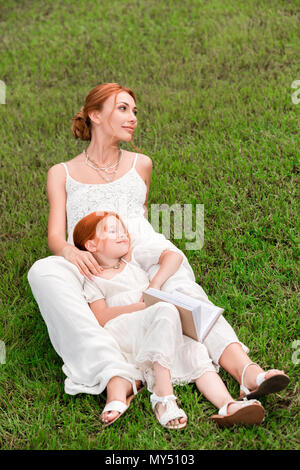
[(255, 382), (246, 413), (118, 389), (164, 402), (160, 409), (169, 416)]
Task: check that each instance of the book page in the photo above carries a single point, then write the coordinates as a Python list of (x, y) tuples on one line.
[(181, 299), (204, 313)]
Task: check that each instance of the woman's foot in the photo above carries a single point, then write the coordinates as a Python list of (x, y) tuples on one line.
[(118, 389)]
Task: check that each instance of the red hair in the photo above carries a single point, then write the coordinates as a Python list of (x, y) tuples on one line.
[(85, 229), (81, 123)]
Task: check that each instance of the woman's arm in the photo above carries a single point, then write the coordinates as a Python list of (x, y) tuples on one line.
[(57, 213), (57, 226), (169, 262), (104, 313)]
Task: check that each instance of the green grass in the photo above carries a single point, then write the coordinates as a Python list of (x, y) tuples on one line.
[(213, 83)]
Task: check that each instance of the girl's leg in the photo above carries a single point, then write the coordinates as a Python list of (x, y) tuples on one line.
[(222, 343), (222, 334), (213, 388), (151, 337), (163, 387), (91, 356), (234, 359)]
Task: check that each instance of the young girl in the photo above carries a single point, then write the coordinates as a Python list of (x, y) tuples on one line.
[(151, 337)]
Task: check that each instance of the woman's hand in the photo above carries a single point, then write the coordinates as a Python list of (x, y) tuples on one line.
[(83, 260)]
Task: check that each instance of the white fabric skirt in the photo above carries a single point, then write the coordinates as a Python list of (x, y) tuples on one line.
[(155, 334)]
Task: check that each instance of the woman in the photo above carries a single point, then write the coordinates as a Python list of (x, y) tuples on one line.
[(104, 177)]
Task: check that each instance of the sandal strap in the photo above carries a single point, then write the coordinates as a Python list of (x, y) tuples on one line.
[(164, 400), (242, 386), (115, 405), (223, 411), (172, 411), (134, 387), (261, 377)]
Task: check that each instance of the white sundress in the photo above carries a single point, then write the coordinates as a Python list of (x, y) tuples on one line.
[(151, 334)]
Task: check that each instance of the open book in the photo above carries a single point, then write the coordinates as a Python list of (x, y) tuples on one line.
[(197, 316)]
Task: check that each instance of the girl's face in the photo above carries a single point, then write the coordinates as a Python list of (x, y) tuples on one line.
[(119, 121), (111, 238)]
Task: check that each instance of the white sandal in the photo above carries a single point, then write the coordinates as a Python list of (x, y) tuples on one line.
[(120, 406), (274, 384), (251, 412), (172, 411)]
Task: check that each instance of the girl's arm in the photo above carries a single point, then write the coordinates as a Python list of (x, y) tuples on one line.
[(169, 263), (104, 313)]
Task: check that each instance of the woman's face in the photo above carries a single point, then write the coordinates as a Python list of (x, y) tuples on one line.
[(119, 121), (111, 238)]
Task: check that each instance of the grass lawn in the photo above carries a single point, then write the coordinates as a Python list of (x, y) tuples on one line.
[(213, 83)]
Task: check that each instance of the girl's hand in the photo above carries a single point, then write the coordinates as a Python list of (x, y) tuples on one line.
[(141, 305), (83, 260)]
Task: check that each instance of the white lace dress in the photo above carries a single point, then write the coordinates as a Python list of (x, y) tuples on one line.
[(151, 334), (125, 196)]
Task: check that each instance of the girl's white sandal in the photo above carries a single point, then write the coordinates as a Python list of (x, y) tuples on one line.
[(172, 411), (273, 384), (251, 412)]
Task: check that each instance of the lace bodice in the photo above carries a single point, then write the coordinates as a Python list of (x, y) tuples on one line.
[(125, 196)]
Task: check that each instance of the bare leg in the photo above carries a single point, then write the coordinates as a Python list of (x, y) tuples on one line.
[(118, 388), (234, 359), (213, 388), (163, 386)]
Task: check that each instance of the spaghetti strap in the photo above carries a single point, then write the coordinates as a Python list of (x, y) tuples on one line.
[(124, 260), (66, 168), (133, 166)]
